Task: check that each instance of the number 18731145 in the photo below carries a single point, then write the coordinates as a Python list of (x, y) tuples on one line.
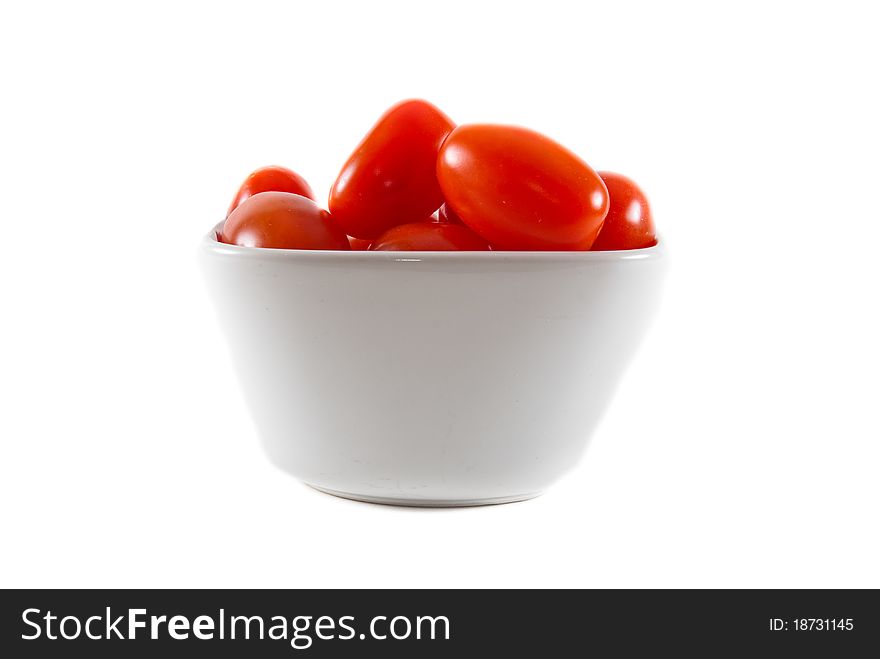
[(811, 624)]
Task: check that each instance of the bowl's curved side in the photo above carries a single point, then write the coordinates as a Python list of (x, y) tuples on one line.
[(442, 381)]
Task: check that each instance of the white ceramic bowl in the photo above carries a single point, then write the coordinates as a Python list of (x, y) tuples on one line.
[(430, 378)]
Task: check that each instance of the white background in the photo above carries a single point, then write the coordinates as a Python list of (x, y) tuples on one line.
[(742, 449)]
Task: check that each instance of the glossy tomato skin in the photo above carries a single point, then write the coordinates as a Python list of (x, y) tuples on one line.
[(391, 178), (447, 215), (271, 179), (521, 190), (629, 224), (429, 237), (282, 220), (358, 244)]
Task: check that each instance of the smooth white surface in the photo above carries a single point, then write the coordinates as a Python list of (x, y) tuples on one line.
[(742, 448), (433, 379)]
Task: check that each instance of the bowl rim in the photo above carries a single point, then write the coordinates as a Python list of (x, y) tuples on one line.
[(211, 243)]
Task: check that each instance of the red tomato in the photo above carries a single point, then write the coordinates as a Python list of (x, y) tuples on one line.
[(359, 244), (521, 190), (447, 215), (429, 237), (282, 220), (271, 179), (628, 224), (391, 178)]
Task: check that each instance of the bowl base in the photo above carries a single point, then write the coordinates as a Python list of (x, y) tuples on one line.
[(425, 503)]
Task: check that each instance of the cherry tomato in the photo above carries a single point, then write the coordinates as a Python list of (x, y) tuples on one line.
[(521, 190), (359, 244), (271, 179), (282, 220), (628, 224), (429, 237), (391, 178), (447, 215)]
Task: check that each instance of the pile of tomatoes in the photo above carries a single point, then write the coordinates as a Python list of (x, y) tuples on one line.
[(419, 182)]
